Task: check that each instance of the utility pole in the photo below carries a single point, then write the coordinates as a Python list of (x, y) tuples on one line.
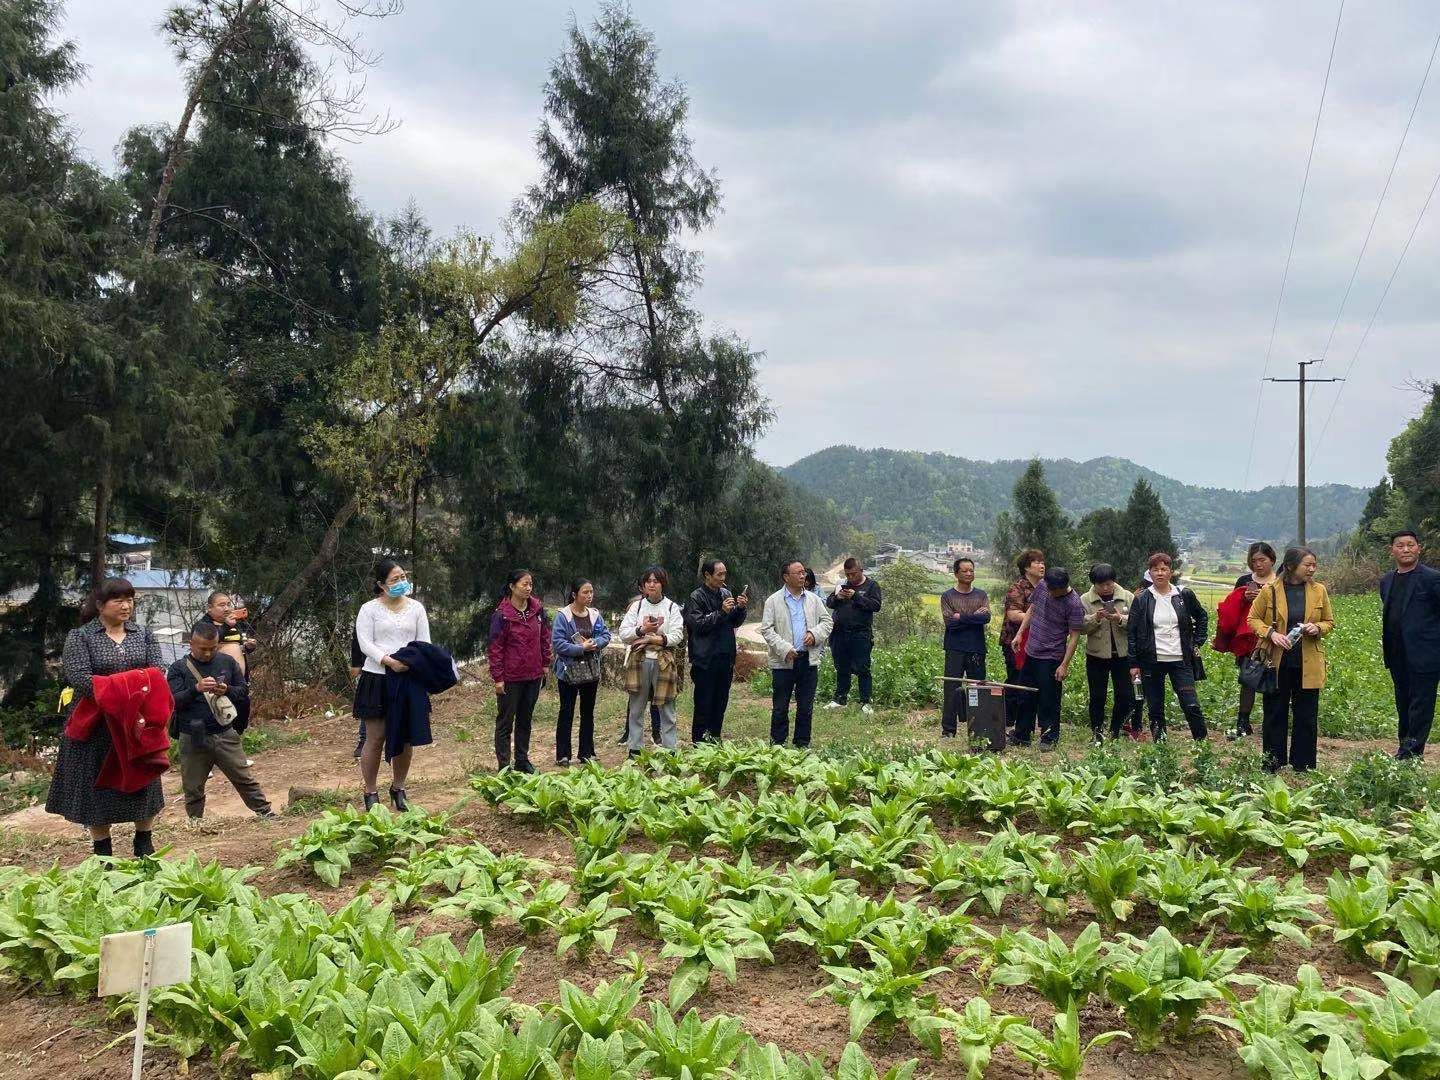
[(1302, 381)]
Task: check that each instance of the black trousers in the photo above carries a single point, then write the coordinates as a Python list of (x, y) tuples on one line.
[(1100, 676), (569, 695), (851, 650), (712, 698), (1414, 706), (958, 665), (1152, 679), (1290, 706), (1045, 706), (1019, 705), (800, 681), (516, 710)]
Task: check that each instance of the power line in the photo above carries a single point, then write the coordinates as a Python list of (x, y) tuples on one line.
[(1379, 204), (1376, 313), (1290, 254)]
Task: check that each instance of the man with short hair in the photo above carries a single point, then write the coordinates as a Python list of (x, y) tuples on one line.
[(207, 686), (236, 639), (1107, 657), (1410, 638), (854, 605), (795, 625), (965, 611), (1053, 623), (711, 615)]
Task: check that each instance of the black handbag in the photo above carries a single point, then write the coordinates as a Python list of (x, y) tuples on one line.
[(1255, 671)]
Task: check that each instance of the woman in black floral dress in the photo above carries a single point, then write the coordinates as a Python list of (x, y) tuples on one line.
[(107, 643)]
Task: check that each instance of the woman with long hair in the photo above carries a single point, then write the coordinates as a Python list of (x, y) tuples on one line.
[(1292, 615), (1232, 628), (383, 626), (577, 641), (519, 653), (108, 642)]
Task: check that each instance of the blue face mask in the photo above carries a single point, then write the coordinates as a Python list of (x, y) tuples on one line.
[(399, 589)]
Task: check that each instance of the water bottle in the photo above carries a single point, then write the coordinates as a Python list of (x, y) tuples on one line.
[(1139, 690), (1295, 634)]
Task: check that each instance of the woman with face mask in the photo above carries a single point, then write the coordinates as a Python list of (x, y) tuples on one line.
[(384, 626)]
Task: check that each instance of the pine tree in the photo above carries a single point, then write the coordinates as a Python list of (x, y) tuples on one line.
[(1145, 530), (105, 352), (1039, 521)]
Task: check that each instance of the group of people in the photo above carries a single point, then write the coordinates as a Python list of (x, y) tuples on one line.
[(110, 772), (1273, 622)]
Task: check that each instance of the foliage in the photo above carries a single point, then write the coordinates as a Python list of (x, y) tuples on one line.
[(338, 838), (904, 616), (1063, 1053)]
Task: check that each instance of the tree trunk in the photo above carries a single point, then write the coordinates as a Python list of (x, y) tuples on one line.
[(182, 129), (100, 535), (274, 616)]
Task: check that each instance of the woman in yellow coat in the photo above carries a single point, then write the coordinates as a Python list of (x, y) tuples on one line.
[(1292, 615)]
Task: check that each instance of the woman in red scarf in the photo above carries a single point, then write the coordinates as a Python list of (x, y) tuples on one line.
[(1232, 634)]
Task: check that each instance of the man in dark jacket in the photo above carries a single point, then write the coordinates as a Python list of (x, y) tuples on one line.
[(851, 642), (711, 615), (200, 682), (1410, 606)]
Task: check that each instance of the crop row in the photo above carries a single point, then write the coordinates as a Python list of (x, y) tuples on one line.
[(873, 819), (292, 990)]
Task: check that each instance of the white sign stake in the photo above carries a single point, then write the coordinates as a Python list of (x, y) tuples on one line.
[(137, 962)]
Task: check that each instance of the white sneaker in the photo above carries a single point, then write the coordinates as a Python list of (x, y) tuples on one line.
[(249, 764), (867, 710), (833, 705)]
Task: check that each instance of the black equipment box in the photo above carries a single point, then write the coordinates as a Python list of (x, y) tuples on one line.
[(984, 705)]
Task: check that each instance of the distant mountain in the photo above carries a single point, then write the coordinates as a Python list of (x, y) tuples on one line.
[(913, 498)]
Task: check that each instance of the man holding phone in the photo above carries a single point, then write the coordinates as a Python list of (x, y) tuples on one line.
[(1106, 608), (854, 605), (711, 615), (208, 687)]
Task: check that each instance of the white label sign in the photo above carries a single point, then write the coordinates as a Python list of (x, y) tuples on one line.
[(122, 959)]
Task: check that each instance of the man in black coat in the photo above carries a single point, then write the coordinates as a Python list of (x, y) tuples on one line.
[(851, 642), (1410, 614), (711, 615)]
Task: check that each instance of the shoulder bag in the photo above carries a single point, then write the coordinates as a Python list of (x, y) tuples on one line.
[(581, 670), (221, 707), (1255, 671)]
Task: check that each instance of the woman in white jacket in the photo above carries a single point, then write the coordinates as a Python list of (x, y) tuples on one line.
[(652, 628)]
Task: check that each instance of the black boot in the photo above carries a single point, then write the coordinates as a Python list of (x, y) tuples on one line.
[(144, 846), (372, 800), (397, 796), (103, 848)]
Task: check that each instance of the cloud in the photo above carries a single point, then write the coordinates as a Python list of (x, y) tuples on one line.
[(993, 229)]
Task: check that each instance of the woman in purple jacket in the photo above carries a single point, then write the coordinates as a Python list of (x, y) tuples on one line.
[(519, 655)]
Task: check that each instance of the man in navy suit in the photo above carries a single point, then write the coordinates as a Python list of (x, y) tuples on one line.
[(1410, 611)]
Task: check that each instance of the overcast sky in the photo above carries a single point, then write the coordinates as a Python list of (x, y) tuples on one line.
[(990, 229)]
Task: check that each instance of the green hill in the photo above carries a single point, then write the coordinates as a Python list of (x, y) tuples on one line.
[(913, 498)]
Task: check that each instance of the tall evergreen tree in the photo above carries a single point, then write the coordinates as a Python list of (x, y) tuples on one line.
[(682, 404), (297, 268), (1039, 521), (105, 353), (1146, 529), (1375, 508)]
